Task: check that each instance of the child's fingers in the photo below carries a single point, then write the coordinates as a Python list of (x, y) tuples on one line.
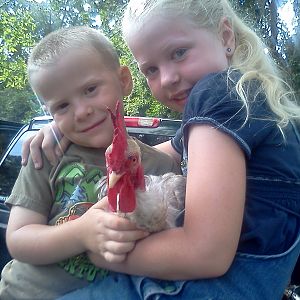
[(102, 204), (35, 150), (51, 137), (26, 150), (114, 258), (62, 146), (119, 248), (125, 236)]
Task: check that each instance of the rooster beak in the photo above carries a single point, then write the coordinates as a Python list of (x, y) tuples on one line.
[(113, 178)]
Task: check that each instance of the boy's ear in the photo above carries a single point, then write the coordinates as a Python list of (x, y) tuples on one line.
[(45, 109), (126, 80), (227, 36)]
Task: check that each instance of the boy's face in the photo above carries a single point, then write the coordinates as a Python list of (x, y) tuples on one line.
[(173, 55), (77, 91)]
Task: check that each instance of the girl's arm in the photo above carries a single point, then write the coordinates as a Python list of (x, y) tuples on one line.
[(206, 244), (31, 240), (48, 140)]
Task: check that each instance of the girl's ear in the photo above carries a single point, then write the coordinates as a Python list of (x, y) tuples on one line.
[(126, 80), (227, 36)]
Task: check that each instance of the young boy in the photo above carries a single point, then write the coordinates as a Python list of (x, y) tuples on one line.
[(55, 217)]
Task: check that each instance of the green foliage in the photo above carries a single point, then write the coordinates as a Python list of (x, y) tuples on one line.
[(18, 105), (16, 38), (23, 22)]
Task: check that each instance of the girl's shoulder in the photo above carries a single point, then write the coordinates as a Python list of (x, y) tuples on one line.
[(218, 80), (219, 94)]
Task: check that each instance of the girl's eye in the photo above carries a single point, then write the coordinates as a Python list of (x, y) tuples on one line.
[(90, 89), (179, 53)]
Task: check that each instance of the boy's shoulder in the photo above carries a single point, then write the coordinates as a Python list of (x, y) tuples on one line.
[(86, 153), (157, 162)]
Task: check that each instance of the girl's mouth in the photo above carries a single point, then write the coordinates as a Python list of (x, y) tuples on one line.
[(181, 96)]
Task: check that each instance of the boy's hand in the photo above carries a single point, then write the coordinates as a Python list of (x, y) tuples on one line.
[(50, 141), (108, 234)]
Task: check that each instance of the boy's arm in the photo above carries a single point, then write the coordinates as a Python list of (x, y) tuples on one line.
[(31, 240)]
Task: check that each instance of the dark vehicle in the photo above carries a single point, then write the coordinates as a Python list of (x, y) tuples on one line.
[(7, 131), (151, 131)]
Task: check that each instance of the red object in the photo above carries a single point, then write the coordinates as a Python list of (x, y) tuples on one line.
[(140, 122), (126, 166)]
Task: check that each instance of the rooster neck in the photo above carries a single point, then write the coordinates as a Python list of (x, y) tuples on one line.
[(123, 157)]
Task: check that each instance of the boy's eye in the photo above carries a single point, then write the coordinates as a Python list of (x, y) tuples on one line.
[(59, 109), (150, 71), (179, 53), (62, 107)]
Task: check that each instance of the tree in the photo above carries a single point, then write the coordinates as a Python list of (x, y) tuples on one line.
[(23, 22), (18, 105), (263, 16), (16, 39)]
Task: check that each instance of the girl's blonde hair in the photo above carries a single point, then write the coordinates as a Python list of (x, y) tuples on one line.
[(250, 56), (60, 42)]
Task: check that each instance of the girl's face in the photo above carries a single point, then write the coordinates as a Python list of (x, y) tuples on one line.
[(77, 91), (173, 55)]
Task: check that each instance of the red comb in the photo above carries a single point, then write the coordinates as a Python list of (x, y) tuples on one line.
[(121, 197), (119, 144)]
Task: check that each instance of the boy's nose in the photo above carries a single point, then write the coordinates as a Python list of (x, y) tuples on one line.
[(82, 110)]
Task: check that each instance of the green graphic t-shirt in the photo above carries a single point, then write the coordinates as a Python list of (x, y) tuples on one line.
[(63, 193)]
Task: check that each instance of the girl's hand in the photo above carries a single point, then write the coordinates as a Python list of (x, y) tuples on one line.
[(50, 141), (109, 235)]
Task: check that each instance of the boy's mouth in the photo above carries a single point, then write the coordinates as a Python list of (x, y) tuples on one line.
[(93, 126)]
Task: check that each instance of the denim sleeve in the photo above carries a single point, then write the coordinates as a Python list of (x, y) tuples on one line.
[(215, 101), (176, 141)]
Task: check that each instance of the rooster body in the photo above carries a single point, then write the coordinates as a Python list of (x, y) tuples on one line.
[(152, 202), (159, 206)]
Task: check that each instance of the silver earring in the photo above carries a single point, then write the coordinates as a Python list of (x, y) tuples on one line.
[(228, 50)]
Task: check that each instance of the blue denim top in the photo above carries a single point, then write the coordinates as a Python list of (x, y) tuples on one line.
[(272, 210)]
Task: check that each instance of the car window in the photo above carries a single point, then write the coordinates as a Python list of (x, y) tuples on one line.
[(11, 166), (5, 137)]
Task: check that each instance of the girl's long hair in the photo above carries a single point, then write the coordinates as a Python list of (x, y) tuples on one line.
[(250, 56)]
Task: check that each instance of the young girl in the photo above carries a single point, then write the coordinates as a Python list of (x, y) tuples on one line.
[(239, 148)]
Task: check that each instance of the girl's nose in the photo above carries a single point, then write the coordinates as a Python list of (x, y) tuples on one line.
[(169, 76)]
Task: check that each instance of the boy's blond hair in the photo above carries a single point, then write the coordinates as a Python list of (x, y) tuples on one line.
[(58, 43), (249, 57)]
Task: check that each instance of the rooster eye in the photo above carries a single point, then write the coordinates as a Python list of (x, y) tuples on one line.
[(133, 158)]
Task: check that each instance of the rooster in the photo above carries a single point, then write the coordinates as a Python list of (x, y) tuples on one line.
[(153, 203)]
